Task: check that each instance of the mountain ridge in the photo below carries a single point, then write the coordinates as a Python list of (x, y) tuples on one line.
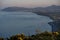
[(49, 8)]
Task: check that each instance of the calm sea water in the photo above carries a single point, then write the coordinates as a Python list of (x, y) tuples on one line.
[(12, 23)]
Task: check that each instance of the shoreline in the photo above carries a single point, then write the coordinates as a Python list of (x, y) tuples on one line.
[(55, 17), (52, 15)]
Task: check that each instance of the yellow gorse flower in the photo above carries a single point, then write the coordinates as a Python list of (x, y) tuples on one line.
[(56, 33)]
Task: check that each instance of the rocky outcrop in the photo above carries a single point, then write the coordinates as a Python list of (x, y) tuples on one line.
[(55, 26)]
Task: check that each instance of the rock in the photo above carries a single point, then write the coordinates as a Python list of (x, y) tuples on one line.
[(55, 26)]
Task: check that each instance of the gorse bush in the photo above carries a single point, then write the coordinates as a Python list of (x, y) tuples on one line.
[(39, 36), (1, 38)]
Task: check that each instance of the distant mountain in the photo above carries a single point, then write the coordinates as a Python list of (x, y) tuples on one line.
[(52, 8), (15, 9)]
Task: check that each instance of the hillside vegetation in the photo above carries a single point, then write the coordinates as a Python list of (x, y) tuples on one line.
[(39, 36)]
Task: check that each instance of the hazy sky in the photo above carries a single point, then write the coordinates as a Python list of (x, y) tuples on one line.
[(28, 3)]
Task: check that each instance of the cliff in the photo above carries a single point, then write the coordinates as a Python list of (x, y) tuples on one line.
[(55, 26)]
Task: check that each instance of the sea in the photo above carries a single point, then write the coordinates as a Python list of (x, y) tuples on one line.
[(12, 23)]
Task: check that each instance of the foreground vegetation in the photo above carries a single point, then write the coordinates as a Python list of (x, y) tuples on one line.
[(38, 36)]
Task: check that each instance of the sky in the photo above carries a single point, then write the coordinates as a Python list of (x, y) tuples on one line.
[(28, 3)]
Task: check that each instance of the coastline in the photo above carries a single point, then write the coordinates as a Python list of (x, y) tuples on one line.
[(55, 17)]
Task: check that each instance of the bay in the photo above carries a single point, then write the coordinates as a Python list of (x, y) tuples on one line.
[(12, 23)]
